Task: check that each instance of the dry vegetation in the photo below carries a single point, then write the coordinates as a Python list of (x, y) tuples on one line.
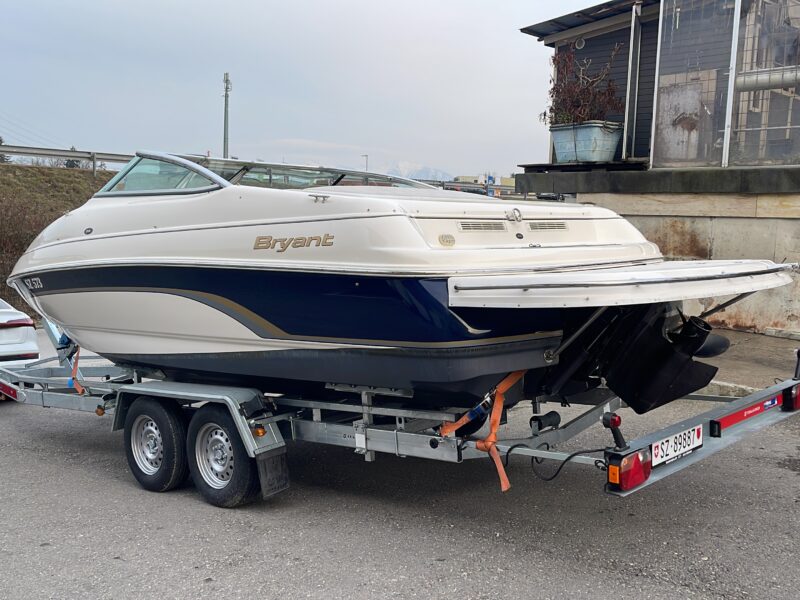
[(30, 199)]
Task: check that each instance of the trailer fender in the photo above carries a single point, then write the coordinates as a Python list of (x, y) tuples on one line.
[(239, 402)]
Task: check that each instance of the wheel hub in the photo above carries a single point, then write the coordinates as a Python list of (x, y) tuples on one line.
[(219, 457), (147, 445), (214, 455)]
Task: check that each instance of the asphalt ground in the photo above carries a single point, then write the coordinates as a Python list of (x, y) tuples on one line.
[(74, 523)]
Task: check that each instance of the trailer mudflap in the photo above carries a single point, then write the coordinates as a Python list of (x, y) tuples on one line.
[(718, 428), (273, 471)]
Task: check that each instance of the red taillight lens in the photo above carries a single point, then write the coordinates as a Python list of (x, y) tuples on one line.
[(26, 322), (631, 470), (7, 390), (791, 398)]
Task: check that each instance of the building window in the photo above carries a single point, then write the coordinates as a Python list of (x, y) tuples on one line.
[(692, 87), (766, 110)]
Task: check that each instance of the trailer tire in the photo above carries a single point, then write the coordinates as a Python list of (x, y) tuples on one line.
[(155, 444), (222, 471)]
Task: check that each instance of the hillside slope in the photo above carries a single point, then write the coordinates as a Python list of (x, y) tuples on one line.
[(30, 199)]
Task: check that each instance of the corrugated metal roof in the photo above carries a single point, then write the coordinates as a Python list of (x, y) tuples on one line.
[(583, 17)]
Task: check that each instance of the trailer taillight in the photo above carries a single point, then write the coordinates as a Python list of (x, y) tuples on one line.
[(791, 398), (628, 471), (7, 390)]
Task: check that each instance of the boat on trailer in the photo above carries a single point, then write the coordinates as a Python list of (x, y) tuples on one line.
[(243, 305), (307, 280)]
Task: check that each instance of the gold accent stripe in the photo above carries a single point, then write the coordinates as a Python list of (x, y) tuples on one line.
[(247, 316)]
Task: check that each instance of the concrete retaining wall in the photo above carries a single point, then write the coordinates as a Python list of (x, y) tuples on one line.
[(725, 226)]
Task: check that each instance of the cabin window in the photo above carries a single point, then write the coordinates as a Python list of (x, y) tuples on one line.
[(151, 176)]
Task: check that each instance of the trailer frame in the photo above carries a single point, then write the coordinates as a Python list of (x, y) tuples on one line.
[(373, 420)]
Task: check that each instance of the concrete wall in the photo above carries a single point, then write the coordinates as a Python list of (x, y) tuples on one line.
[(727, 226)]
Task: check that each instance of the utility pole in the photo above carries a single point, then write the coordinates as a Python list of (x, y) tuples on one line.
[(228, 87), (366, 162)]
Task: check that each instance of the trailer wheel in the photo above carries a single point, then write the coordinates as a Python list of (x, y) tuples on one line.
[(221, 469), (155, 444)]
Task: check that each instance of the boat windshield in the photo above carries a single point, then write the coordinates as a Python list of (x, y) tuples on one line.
[(148, 176), (282, 176)]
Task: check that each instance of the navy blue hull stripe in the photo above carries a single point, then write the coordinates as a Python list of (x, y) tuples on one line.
[(318, 307)]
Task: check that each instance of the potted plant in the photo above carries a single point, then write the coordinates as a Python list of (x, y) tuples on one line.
[(581, 98)]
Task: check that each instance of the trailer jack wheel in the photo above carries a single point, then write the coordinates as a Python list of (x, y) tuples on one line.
[(221, 469), (155, 444)]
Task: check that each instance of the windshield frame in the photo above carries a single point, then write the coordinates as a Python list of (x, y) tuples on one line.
[(241, 167), (216, 182)]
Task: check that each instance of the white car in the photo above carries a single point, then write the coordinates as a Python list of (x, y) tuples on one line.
[(18, 343)]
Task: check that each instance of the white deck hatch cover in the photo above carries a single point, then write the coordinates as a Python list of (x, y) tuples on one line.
[(619, 286)]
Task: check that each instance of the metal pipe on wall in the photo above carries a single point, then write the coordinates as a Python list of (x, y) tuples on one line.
[(768, 79)]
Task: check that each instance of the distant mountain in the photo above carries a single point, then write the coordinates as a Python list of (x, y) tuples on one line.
[(417, 171)]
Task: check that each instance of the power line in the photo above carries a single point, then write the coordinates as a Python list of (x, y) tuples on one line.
[(29, 138), (15, 136), (20, 125)]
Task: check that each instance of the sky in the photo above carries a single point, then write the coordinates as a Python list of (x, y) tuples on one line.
[(451, 85)]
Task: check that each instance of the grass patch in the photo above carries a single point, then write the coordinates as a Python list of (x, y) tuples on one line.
[(30, 199)]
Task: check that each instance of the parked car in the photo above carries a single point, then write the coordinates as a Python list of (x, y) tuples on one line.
[(18, 343)]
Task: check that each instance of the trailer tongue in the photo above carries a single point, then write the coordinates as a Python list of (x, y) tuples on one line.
[(235, 443)]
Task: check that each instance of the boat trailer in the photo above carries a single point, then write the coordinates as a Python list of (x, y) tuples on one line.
[(224, 428)]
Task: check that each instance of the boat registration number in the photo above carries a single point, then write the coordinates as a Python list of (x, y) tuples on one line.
[(677, 445)]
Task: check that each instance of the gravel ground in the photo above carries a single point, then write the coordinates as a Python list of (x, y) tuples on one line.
[(74, 523)]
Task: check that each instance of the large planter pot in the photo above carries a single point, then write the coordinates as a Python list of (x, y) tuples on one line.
[(592, 141)]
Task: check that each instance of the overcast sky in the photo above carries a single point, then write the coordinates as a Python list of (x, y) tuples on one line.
[(449, 84)]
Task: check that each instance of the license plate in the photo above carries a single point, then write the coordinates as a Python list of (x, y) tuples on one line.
[(676, 446)]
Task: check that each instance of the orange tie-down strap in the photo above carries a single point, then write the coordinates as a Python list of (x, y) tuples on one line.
[(488, 444), (74, 381)]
